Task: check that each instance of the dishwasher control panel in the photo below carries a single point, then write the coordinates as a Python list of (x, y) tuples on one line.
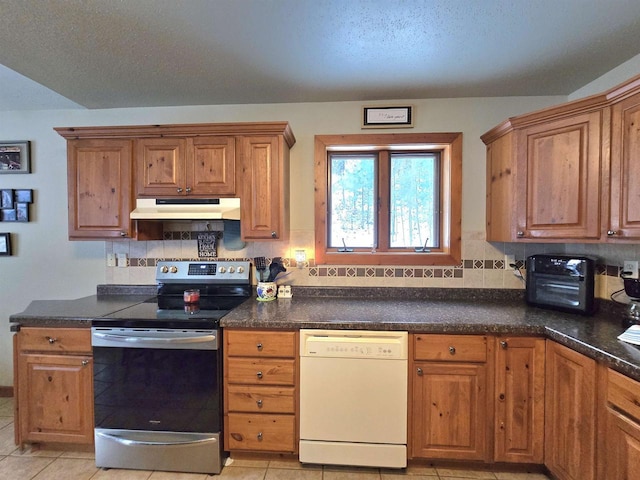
[(350, 344)]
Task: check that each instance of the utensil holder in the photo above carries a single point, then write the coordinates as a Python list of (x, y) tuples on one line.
[(266, 291)]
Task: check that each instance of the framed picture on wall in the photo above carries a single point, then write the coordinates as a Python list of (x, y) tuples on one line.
[(5, 244), (14, 157)]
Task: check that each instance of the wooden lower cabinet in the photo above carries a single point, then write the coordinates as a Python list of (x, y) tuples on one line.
[(260, 391), (519, 400), (570, 417), (619, 456), (450, 401), (54, 386)]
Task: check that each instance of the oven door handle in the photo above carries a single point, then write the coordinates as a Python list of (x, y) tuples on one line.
[(129, 442), (151, 341)]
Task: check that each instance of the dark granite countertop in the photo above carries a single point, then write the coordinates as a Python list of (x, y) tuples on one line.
[(447, 311), (73, 313), (456, 311)]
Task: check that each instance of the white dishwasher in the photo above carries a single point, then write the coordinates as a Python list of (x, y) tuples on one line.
[(353, 397)]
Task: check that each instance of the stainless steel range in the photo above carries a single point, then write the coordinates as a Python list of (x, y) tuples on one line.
[(158, 371)]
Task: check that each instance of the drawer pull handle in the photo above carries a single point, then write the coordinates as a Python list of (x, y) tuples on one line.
[(259, 374), (259, 347), (419, 371), (504, 344), (85, 363), (51, 340), (452, 350), (259, 436), (259, 403)]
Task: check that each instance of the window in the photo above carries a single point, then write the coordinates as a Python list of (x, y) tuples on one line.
[(389, 199)]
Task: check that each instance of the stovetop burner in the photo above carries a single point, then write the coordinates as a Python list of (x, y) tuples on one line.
[(222, 285)]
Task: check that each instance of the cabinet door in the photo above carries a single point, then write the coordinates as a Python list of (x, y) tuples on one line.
[(500, 198), (570, 417), (265, 186), (211, 166), (449, 411), (558, 172), (625, 169), (100, 188), (55, 398), (160, 166), (519, 427), (623, 447)]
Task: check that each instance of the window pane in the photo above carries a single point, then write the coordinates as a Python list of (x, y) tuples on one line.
[(352, 200), (415, 198)]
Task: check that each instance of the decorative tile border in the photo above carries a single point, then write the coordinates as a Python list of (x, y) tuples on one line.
[(380, 272)]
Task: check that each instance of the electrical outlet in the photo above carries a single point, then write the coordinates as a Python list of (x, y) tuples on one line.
[(111, 259), (630, 269), (509, 259), (122, 260)]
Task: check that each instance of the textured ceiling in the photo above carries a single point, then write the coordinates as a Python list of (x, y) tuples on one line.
[(135, 53)]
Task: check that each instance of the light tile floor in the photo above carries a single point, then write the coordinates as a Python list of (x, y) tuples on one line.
[(56, 465)]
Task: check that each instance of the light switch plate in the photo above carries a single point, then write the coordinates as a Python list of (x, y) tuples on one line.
[(630, 268), (122, 260), (111, 259)]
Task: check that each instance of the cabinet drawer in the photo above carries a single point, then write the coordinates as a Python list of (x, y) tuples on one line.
[(260, 343), (57, 340), (261, 371), (274, 433), (450, 348), (258, 399), (624, 394)]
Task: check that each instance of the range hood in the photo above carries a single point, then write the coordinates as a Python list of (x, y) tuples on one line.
[(187, 209)]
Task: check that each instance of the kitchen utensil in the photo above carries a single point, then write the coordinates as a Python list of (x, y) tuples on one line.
[(261, 267), (275, 268)]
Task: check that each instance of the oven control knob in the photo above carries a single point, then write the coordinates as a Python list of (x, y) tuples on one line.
[(173, 269), (164, 269), (232, 269), (222, 269), (240, 270)]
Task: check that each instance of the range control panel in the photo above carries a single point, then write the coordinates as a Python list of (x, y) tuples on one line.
[(374, 345), (202, 272)]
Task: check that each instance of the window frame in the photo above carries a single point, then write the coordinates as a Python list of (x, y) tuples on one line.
[(450, 145)]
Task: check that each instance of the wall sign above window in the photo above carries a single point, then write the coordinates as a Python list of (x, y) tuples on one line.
[(387, 116)]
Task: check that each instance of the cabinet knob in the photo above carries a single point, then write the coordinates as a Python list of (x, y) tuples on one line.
[(259, 436), (501, 397), (179, 190), (611, 233), (259, 374), (52, 340), (520, 233), (504, 344), (259, 403), (123, 234), (188, 189), (85, 363), (274, 234), (452, 350), (259, 347), (419, 371)]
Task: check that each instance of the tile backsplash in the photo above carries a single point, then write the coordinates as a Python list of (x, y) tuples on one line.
[(483, 264)]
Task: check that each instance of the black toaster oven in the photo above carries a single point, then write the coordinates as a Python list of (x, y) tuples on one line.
[(561, 282)]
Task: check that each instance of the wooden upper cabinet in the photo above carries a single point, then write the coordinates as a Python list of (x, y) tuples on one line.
[(170, 167), (558, 184), (569, 172), (624, 219), (99, 174), (265, 188)]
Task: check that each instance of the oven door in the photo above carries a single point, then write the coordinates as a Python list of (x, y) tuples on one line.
[(563, 292), (157, 397)]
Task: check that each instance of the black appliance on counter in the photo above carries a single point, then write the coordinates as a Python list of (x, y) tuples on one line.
[(158, 371), (561, 282)]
